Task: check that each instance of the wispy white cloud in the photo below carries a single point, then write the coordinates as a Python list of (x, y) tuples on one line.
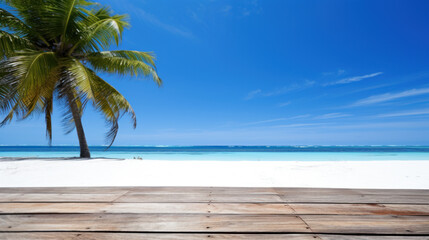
[(354, 79), (152, 19), (381, 125), (283, 90), (252, 94), (390, 96), (266, 121), (339, 72), (405, 113), (298, 125), (332, 115), (278, 119), (284, 104), (279, 91)]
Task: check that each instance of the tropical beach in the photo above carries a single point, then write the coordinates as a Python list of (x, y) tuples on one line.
[(221, 119), (318, 167)]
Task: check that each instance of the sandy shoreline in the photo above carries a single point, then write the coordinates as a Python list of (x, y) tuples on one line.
[(110, 172)]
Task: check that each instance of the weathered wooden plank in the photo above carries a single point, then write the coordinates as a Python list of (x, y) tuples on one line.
[(217, 208), (196, 208), (255, 198), (285, 191), (393, 192), (360, 209), (249, 208), (54, 197), (207, 191), (30, 208), (219, 190), (152, 223), (202, 190), (163, 198), (145, 190), (352, 191), (226, 210), (67, 190), (354, 198), (152, 236), (364, 224)]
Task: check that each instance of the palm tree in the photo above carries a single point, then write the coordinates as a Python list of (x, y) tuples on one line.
[(53, 49)]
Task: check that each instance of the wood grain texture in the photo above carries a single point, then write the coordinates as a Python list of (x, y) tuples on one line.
[(218, 208), (219, 190), (354, 198), (364, 224), (359, 209), (230, 198), (177, 208), (59, 197), (152, 236), (146, 236), (202, 190), (152, 223), (354, 191), (136, 213), (69, 190)]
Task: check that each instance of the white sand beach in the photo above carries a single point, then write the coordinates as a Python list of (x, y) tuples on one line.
[(131, 172)]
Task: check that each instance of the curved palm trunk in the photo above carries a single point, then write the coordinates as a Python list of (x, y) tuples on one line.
[(84, 150)]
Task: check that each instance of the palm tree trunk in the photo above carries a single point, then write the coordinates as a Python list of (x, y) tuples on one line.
[(84, 150)]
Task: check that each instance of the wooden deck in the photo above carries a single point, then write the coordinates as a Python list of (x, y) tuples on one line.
[(191, 213)]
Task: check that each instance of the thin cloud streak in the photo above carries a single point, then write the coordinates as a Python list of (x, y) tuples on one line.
[(298, 125), (332, 115), (284, 104), (142, 14), (277, 119), (252, 94), (380, 125), (408, 113), (390, 96), (337, 73), (354, 79), (279, 91)]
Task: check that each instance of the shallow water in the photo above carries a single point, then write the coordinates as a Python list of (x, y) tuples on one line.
[(231, 153)]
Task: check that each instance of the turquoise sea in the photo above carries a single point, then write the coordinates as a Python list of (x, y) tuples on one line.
[(229, 153)]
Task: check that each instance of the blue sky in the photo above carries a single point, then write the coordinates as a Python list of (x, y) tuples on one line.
[(270, 72)]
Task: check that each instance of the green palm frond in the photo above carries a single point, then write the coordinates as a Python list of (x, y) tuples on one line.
[(103, 29), (62, 20), (8, 87), (28, 76), (10, 43), (15, 25), (131, 63), (66, 89), (105, 98), (32, 15), (12, 23), (33, 69), (52, 49)]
